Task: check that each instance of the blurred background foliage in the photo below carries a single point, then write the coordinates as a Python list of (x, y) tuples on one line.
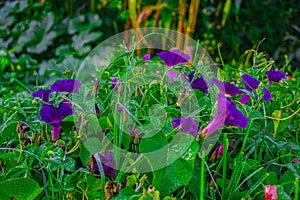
[(49, 38)]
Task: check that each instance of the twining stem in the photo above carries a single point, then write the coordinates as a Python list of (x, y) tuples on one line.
[(283, 119)]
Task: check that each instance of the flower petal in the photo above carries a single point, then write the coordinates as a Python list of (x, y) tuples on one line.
[(42, 94), (267, 94), (173, 57), (198, 83), (275, 75), (71, 86), (188, 125), (250, 82)]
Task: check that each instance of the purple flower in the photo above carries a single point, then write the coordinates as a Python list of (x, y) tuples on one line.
[(71, 86), (107, 161), (244, 99), (267, 94), (226, 87), (275, 75), (296, 160), (227, 114), (147, 56), (250, 82), (113, 80), (198, 83), (173, 57), (42, 94), (188, 125), (54, 116)]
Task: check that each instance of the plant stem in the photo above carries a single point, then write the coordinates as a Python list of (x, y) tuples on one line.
[(225, 143), (296, 188), (246, 138), (202, 179)]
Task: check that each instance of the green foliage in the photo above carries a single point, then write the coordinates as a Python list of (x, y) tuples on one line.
[(44, 41), (20, 188)]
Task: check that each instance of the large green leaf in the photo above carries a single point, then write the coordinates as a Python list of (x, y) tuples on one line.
[(20, 188), (173, 162)]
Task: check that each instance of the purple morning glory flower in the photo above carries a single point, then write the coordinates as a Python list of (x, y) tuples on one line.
[(71, 86), (235, 117), (226, 87), (173, 57), (54, 116), (267, 94), (198, 83), (42, 94), (188, 125), (107, 161), (250, 82), (147, 56), (227, 114), (275, 75)]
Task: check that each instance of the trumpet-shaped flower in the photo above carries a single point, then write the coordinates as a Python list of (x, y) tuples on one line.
[(173, 57), (54, 116), (250, 82), (198, 83), (226, 87), (71, 86), (188, 125), (42, 94), (227, 114), (275, 75)]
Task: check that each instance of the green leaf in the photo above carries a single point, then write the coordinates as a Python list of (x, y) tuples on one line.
[(8, 131), (125, 193), (174, 160), (90, 186), (282, 195), (20, 188), (272, 178), (68, 164), (276, 114), (195, 180), (283, 123), (84, 38), (84, 155)]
